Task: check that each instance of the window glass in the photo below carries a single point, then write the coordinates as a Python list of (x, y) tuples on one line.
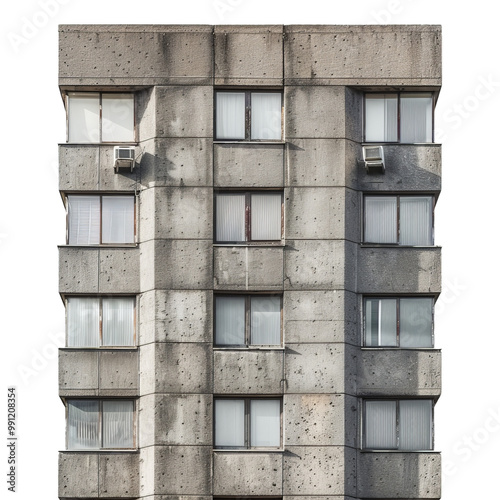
[(265, 422), (381, 219), (416, 220), (118, 219), (117, 118), (416, 118), (84, 220), (381, 322), (266, 217), (230, 320), (415, 424), (83, 117), (230, 423), (266, 116), (381, 111), (230, 112), (265, 320), (83, 425), (118, 321), (416, 322), (380, 425), (230, 217), (83, 322), (118, 424)]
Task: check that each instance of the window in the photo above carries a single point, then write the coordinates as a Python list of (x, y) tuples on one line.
[(242, 320), (398, 322), (94, 220), (246, 115), (399, 220), (247, 423), (95, 117), (248, 217), (404, 425), (100, 424), (398, 117), (100, 321)]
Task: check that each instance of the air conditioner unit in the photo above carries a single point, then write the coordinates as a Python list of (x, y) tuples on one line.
[(124, 157), (373, 158)]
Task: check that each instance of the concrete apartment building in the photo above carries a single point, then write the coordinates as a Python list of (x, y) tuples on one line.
[(249, 279)]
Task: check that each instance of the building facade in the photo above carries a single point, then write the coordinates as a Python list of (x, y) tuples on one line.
[(250, 271)]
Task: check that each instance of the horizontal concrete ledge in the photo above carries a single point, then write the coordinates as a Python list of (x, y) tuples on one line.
[(360, 28), (136, 28)]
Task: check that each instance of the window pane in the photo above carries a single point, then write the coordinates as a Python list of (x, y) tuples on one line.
[(415, 424), (84, 220), (83, 117), (118, 321), (266, 115), (416, 118), (83, 425), (118, 219), (415, 322), (230, 217), (266, 217), (117, 117), (381, 219), (230, 320), (265, 422), (381, 322), (381, 111), (380, 425), (230, 422), (265, 318), (118, 424), (416, 220), (230, 115), (83, 322)]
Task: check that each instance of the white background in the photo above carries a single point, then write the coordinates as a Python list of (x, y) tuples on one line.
[(32, 218)]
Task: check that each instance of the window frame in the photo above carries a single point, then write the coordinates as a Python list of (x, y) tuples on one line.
[(398, 427), (398, 320), (101, 423), (101, 320), (100, 196), (398, 95), (398, 197), (247, 423), (248, 321), (67, 96), (248, 114)]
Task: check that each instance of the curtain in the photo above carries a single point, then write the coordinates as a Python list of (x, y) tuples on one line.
[(415, 322), (415, 220), (265, 320), (83, 322), (118, 424), (266, 217), (118, 321), (230, 115), (266, 115), (230, 320), (381, 322), (117, 118), (381, 118), (381, 219), (380, 425), (416, 118), (83, 117), (230, 422), (415, 424), (83, 425), (118, 219), (230, 217), (84, 214), (265, 427)]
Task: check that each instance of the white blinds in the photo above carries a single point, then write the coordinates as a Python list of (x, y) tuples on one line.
[(381, 115), (415, 322), (381, 219), (118, 219), (416, 220), (117, 117), (381, 322), (230, 217), (265, 319), (118, 424), (230, 115), (415, 424), (265, 422), (118, 321), (266, 217), (230, 422), (83, 322), (380, 425), (416, 118), (84, 220), (230, 320), (83, 117), (83, 425), (266, 115)]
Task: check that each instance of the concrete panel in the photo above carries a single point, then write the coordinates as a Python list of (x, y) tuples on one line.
[(239, 474), (248, 165), (119, 270), (184, 111), (374, 55), (78, 475), (147, 465), (409, 167), (373, 263), (321, 316), (183, 470), (248, 372), (135, 54), (118, 371), (146, 428), (354, 103), (147, 376), (148, 265), (78, 270), (78, 369), (399, 475), (78, 167), (145, 111), (111, 180), (393, 372), (248, 55), (248, 268), (183, 368), (119, 475), (146, 228)]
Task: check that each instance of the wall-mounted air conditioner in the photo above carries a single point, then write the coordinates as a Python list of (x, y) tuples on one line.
[(373, 158), (124, 157)]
